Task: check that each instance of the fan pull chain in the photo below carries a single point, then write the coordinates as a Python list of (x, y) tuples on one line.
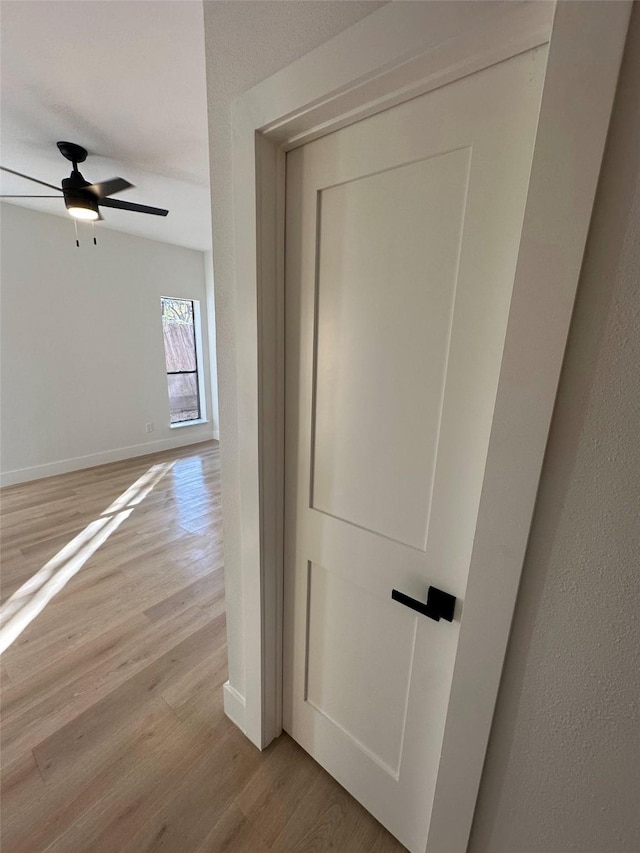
[(75, 222), (93, 231)]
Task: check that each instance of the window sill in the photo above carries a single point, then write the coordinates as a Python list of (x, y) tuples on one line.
[(189, 423)]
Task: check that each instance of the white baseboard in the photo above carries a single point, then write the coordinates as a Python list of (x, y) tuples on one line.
[(235, 707), (63, 466)]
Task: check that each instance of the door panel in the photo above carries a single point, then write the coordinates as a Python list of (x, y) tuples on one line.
[(345, 670), (388, 254), (402, 239)]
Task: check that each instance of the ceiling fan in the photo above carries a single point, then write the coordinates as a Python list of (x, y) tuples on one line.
[(81, 198)]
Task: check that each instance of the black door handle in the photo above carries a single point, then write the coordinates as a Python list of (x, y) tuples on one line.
[(440, 605)]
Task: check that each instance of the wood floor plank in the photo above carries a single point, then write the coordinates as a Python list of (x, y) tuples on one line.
[(278, 787), (15, 570), (45, 538), (62, 817), (30, 690), (207, 591), (190, 805), (114, 737), (41, 551), (41, 719), (34, 653), (327, 818), (101, 734), (115, 597), (233, 834), (172, 808), (203, 706), (196, 693), (22, 787)]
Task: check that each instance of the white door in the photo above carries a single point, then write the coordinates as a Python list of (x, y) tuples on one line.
[(402, 234)]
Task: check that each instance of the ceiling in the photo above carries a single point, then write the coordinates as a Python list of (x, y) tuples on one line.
[(127, 81)]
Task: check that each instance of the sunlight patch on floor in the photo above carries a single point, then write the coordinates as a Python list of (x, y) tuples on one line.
[(34, 595)]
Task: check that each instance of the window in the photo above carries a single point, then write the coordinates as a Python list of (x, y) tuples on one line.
[(181, 358)]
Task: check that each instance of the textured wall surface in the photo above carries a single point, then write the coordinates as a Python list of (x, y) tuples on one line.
[(563, 767), (246, 43)]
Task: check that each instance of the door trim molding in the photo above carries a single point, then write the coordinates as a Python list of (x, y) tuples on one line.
[(399, 52)]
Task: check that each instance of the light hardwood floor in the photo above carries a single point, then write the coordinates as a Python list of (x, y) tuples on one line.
[(113, 733)]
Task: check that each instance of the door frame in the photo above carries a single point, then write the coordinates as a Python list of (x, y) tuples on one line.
[(394, 54)]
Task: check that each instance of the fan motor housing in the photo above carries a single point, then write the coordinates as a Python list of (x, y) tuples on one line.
[(75, 196)]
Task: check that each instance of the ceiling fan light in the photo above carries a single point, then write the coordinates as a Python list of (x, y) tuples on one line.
[(83, 213), (81, 205)]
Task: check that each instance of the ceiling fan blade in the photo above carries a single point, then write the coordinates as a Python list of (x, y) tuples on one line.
[(29, 178), (30, 196), (106, 188), (128, 205)]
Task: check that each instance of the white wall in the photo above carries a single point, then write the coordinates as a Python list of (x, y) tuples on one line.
[(562, 773), (81, 348), (244, 44), (211, 342)]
